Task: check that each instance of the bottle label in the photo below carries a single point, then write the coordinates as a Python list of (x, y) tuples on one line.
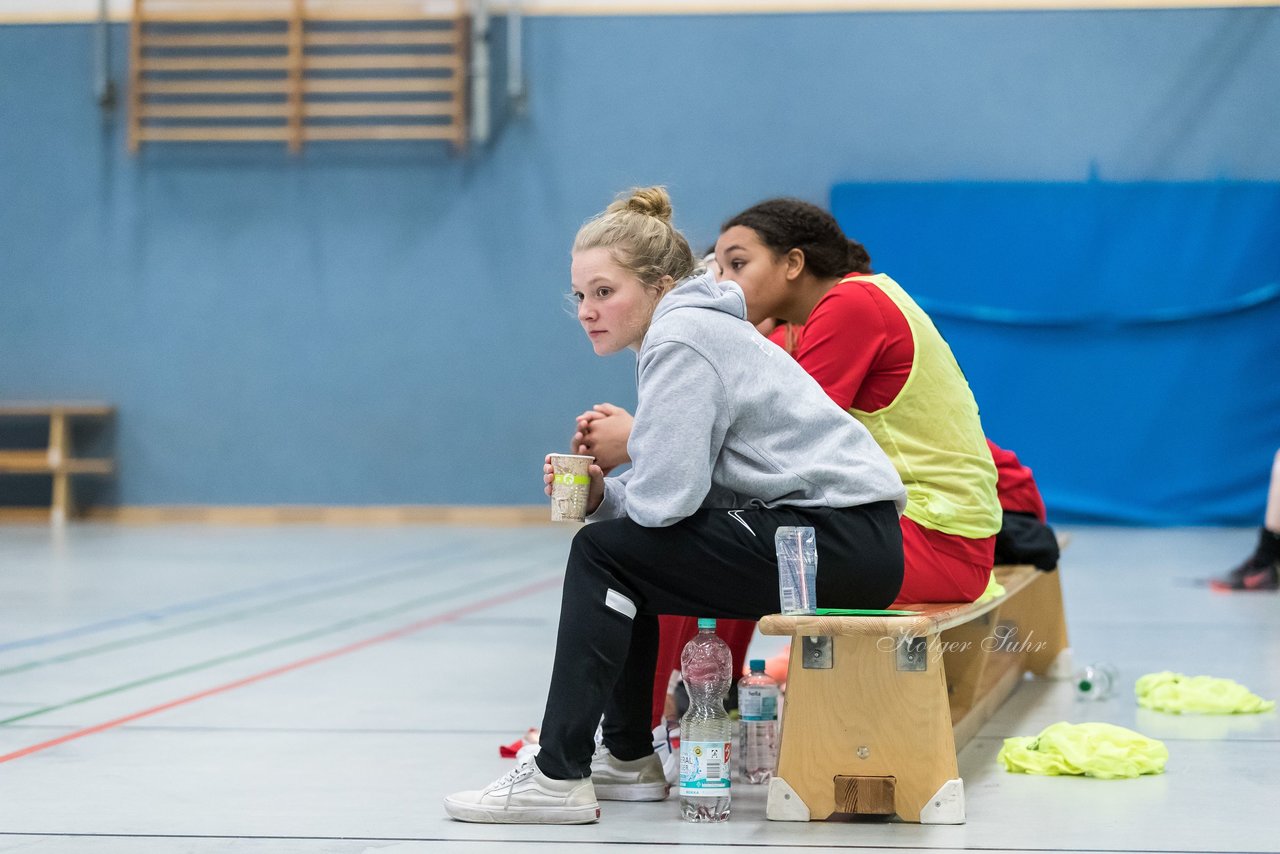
[(704, 769), (787, 599), (757, 704)]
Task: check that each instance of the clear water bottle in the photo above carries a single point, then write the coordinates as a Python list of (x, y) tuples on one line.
[(706, 734), (1096, 681), (758, 706)]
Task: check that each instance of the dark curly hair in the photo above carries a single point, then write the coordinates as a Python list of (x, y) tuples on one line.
[(786, 224)]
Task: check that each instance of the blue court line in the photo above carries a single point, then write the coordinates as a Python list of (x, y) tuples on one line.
[(316, 593), (210, 601), (426, 600)]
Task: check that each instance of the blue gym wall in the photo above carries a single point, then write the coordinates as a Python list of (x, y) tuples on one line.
[(384, 324)]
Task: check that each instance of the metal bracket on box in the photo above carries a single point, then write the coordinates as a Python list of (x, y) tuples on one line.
[(817, 652), (913, 654)]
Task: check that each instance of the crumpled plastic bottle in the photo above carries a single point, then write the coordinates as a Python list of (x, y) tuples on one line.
[(1095, 682)]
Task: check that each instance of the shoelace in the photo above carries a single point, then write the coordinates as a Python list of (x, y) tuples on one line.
[(508, 779)]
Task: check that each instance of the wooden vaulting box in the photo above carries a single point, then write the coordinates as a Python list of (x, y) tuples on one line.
[(877, 707)]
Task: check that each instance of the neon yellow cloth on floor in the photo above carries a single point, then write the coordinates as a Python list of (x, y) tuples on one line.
[(1097, 750), (1178, 694), (994, 590)]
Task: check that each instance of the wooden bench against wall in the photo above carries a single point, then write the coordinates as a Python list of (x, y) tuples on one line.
[(57, 459), (877, 707)]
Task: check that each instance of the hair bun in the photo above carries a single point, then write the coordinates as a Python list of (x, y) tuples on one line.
[(649, 201)]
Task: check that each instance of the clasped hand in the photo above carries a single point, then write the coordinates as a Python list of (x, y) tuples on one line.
[(603, 431)]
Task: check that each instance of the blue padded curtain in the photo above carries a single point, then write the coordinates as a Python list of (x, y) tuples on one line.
[(1122, 338)]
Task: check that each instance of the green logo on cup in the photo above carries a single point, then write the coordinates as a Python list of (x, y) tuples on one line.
[(569, 479)]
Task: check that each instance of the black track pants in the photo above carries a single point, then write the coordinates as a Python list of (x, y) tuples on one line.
[(715, 563)]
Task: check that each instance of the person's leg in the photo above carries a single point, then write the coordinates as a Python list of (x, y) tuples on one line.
[(632, 691), (716, 563), (1261, 570), (1271, 522)]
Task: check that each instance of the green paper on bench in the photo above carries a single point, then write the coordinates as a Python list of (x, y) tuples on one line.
[(862, 612)]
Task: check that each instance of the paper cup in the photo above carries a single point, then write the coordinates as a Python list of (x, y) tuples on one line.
[(570, 487)]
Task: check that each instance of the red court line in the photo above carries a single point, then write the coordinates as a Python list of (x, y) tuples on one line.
[(446, 617)]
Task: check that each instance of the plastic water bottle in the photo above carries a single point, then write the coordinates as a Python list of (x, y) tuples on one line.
[(1096, 681), (758, 706), (706, 734)]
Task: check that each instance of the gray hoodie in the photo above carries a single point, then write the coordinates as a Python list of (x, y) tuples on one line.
[(728, 419)]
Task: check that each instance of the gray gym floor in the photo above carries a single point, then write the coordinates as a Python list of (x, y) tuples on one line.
[(295, 689)]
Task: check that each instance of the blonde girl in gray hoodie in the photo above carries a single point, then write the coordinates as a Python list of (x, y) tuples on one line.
[(732, 439)]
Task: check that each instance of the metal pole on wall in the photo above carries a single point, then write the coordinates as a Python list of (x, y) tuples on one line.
[(480, 118), (104, 87), (516, 92)]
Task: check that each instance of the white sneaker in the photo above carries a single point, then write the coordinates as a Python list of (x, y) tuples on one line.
[(525, 795), (666, 744), (628, 780)]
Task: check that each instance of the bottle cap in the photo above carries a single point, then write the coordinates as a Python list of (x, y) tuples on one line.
[(706, 623), (757, 665)]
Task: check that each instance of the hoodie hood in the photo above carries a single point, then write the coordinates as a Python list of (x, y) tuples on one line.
[(703, 291)]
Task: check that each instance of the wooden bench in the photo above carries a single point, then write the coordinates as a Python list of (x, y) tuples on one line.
[(57, 458), (877, 707)]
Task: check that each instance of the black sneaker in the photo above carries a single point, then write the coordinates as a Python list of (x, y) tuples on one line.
[(1250, 575)]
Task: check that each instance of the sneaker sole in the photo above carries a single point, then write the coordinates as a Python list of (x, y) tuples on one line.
[(632, 791), (522, 815), (1260, 581), (1254, 582)]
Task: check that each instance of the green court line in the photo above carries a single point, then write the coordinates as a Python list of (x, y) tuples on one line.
[(265, 608), (371, 616)]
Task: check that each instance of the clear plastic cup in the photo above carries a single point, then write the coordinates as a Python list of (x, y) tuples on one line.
[(797, 569)]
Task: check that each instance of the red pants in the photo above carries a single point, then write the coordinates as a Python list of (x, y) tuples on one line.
[(940, 567), (937, 568)]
